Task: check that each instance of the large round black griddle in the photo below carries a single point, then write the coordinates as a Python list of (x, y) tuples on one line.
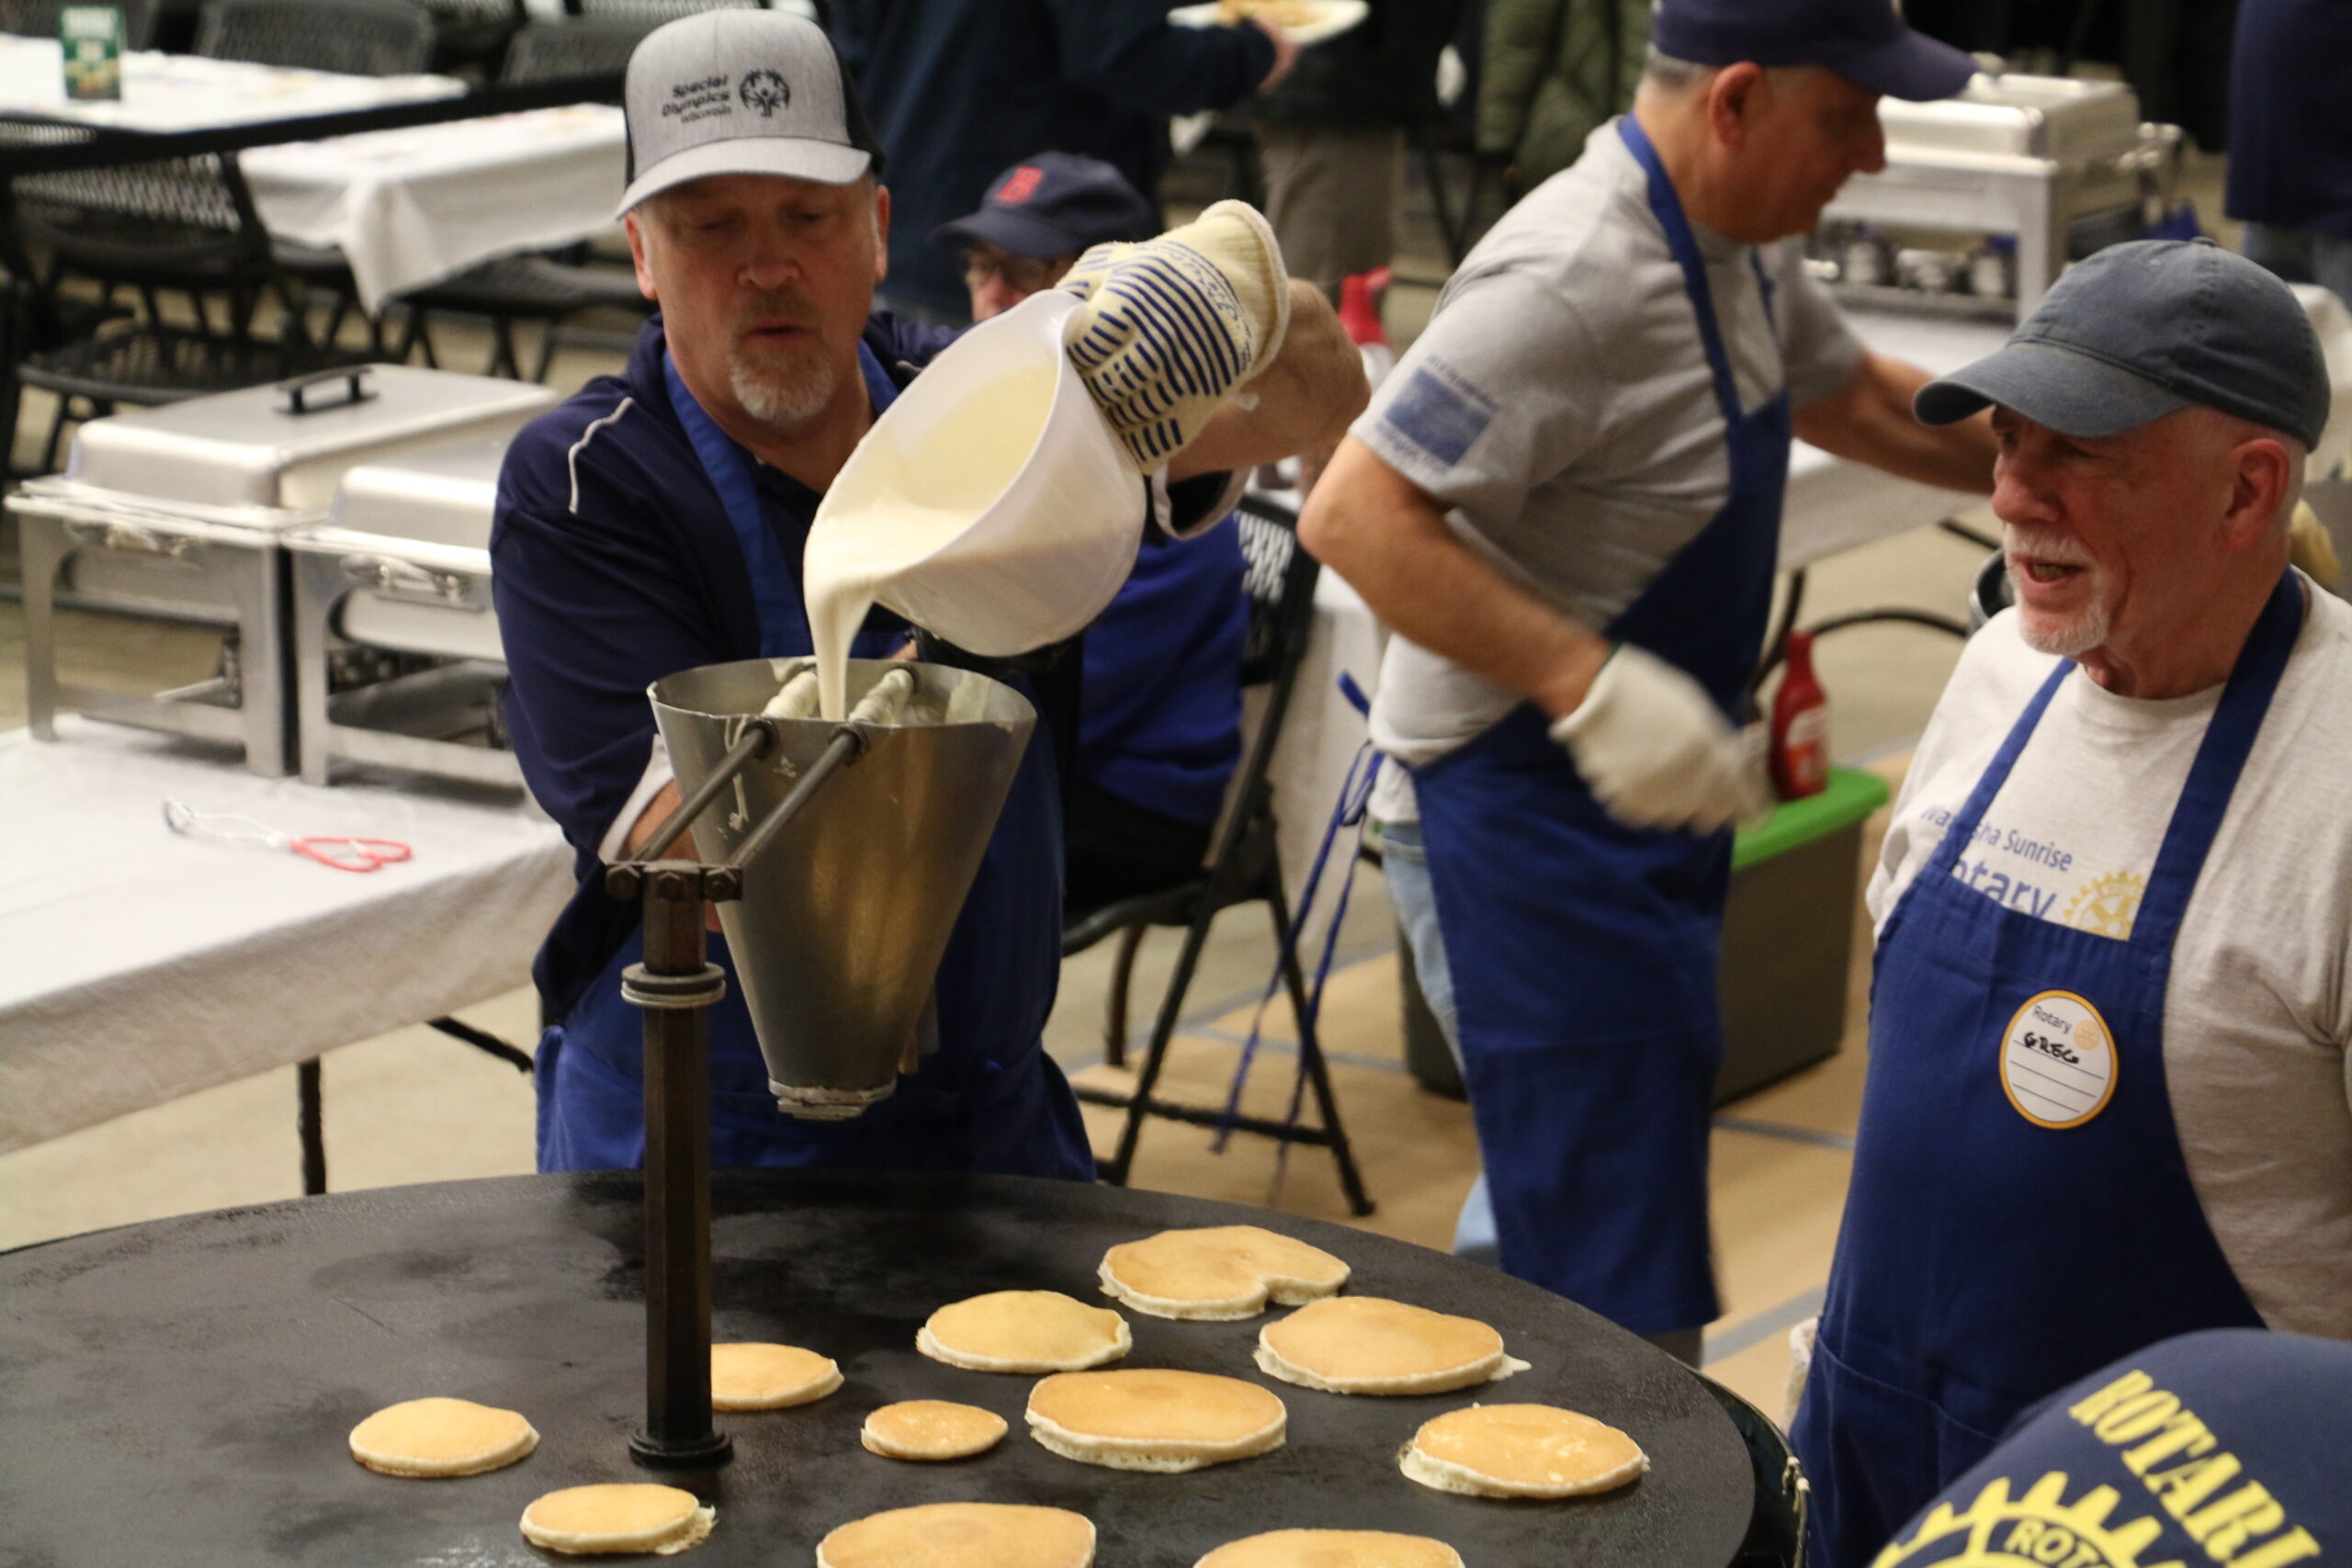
[(180, 1393)]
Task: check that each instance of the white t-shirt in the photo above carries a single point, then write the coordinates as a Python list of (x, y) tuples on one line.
[(2258, 1009), (1560, 405)]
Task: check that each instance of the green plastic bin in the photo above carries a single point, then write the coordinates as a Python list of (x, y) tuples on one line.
[(1787, 943)]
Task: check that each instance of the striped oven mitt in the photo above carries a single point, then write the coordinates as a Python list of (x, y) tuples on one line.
[(1173, 326)]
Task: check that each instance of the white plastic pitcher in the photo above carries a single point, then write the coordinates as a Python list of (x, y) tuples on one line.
[(1040, 562)]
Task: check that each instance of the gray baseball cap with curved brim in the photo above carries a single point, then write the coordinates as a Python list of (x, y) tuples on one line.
[(742, 93), (2144, 330)]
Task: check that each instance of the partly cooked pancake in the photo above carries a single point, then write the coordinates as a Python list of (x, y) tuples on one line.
[(441, 1437), (931, 1428), (768, 1377), (1151, 1418), (633, 1516), (1520, 1450), (1332, 1548), (1024, 1331), (962, 1535), (1220, 1273), (1366, 1345)]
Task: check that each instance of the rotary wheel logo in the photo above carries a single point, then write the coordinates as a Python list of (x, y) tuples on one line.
[(2038, 1530), (764, 91), (2107, 906)]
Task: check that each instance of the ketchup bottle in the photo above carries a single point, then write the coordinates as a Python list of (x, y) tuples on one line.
[(1800, 751)]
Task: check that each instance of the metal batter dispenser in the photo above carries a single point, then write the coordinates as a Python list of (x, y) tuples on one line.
[(399, 577), (180, 512), (2010, 181)]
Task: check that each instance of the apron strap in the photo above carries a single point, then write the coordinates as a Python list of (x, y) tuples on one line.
[(1667, 207), (2221, 757), (1997, 774)]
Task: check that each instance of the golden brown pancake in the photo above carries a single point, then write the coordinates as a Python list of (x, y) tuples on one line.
[(1024, 1331), (753, 1376), (1520, 1450), (440, 1437), (1332, 1548), (962, 1535), (931, 1429), (1367, 1345), (632, 1516), (1219, 1274), (1153, 1418)]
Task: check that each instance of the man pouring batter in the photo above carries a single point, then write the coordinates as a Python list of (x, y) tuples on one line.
[(655, 522), (2108, 1092), (1566, 502)]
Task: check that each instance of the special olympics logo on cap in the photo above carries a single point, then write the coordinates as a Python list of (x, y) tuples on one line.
[(764, 91)]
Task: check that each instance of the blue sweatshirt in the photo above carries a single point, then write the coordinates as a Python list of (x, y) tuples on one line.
[(957, 91), (2291, 135)]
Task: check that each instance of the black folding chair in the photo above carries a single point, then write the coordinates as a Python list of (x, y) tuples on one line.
[(357, 38), (1244, 867)]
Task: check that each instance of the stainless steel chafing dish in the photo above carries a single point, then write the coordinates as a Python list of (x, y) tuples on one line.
[(2009, 182), (180, 512), (399, 577)]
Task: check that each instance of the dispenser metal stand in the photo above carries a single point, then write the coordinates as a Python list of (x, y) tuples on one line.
[(674, 986)]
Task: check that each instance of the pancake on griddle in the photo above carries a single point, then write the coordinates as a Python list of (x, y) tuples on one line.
[(629, 1517), (1024, 1331), (753, 1376), (931, 1429), (1154, 1418), (1520, 1450), (1219, 1273), (436, 1438), (1367, 1345), (1332, 1548), (962, 1535)]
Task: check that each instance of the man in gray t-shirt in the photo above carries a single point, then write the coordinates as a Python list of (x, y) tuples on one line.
[(1565, 502)]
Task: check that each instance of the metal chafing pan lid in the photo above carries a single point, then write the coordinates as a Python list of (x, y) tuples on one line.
[(2055, 119), (436, 496), (282, 448)]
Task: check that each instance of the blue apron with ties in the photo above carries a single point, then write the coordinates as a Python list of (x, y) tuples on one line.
[(988, 1099), (2021, 1213), (1583, 951)]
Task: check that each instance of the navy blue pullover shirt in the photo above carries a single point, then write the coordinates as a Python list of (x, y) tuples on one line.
[(958, 91), (2291, 134)]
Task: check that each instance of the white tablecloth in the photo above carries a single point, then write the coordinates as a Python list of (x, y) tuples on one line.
[(137, 965), (414, 206), (186, 92)]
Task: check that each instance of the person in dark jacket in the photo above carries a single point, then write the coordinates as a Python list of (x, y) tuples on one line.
[(1159, 696), (2291, 142), (1331, 138), (957, 89)]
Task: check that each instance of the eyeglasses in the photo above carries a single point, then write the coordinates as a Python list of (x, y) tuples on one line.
[(1026, 274)]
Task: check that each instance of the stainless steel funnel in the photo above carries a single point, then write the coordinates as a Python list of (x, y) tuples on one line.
[(840, 929)]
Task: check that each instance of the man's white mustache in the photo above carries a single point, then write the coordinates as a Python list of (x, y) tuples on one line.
[(2053, 544)]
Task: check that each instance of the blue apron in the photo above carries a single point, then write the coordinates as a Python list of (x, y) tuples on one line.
[(1582, 950), (1996, 1245), (988, 1099)]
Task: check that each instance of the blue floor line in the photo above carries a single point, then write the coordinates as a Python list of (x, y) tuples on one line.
[(1723, 1344), (1813, 1135)]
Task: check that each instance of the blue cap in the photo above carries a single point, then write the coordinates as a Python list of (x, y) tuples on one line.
[(1055, 204), (1866, 41), (2146, 330)]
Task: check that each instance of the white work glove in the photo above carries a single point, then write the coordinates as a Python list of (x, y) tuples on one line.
[(1171, 325), (1653, 748)]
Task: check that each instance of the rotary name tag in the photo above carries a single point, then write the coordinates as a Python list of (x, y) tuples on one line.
[(2058, 1061)]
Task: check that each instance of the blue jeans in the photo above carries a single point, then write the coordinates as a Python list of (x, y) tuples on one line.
[(2304, 255), (1406, 866)]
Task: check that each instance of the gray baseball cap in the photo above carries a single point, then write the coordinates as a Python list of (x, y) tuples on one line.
[(742, 93), (2146, 330)]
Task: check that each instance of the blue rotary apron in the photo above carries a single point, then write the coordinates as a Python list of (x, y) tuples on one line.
[(987, 1100), (2020, 1213), (1582, 950)]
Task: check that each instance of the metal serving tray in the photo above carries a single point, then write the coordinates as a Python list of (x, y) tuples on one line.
[(401, 567), (2055, 119), (180, 511)]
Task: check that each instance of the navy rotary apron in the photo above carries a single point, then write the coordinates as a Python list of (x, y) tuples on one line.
[(1583, 951), (2020, 1213), (988, 1099)]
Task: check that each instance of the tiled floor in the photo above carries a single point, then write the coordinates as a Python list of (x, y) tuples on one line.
[(415, 1106)]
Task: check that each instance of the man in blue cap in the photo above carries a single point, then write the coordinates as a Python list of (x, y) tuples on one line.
[(1159, 690), (2226, 1446), (1565, 502), (2107, 1094)]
